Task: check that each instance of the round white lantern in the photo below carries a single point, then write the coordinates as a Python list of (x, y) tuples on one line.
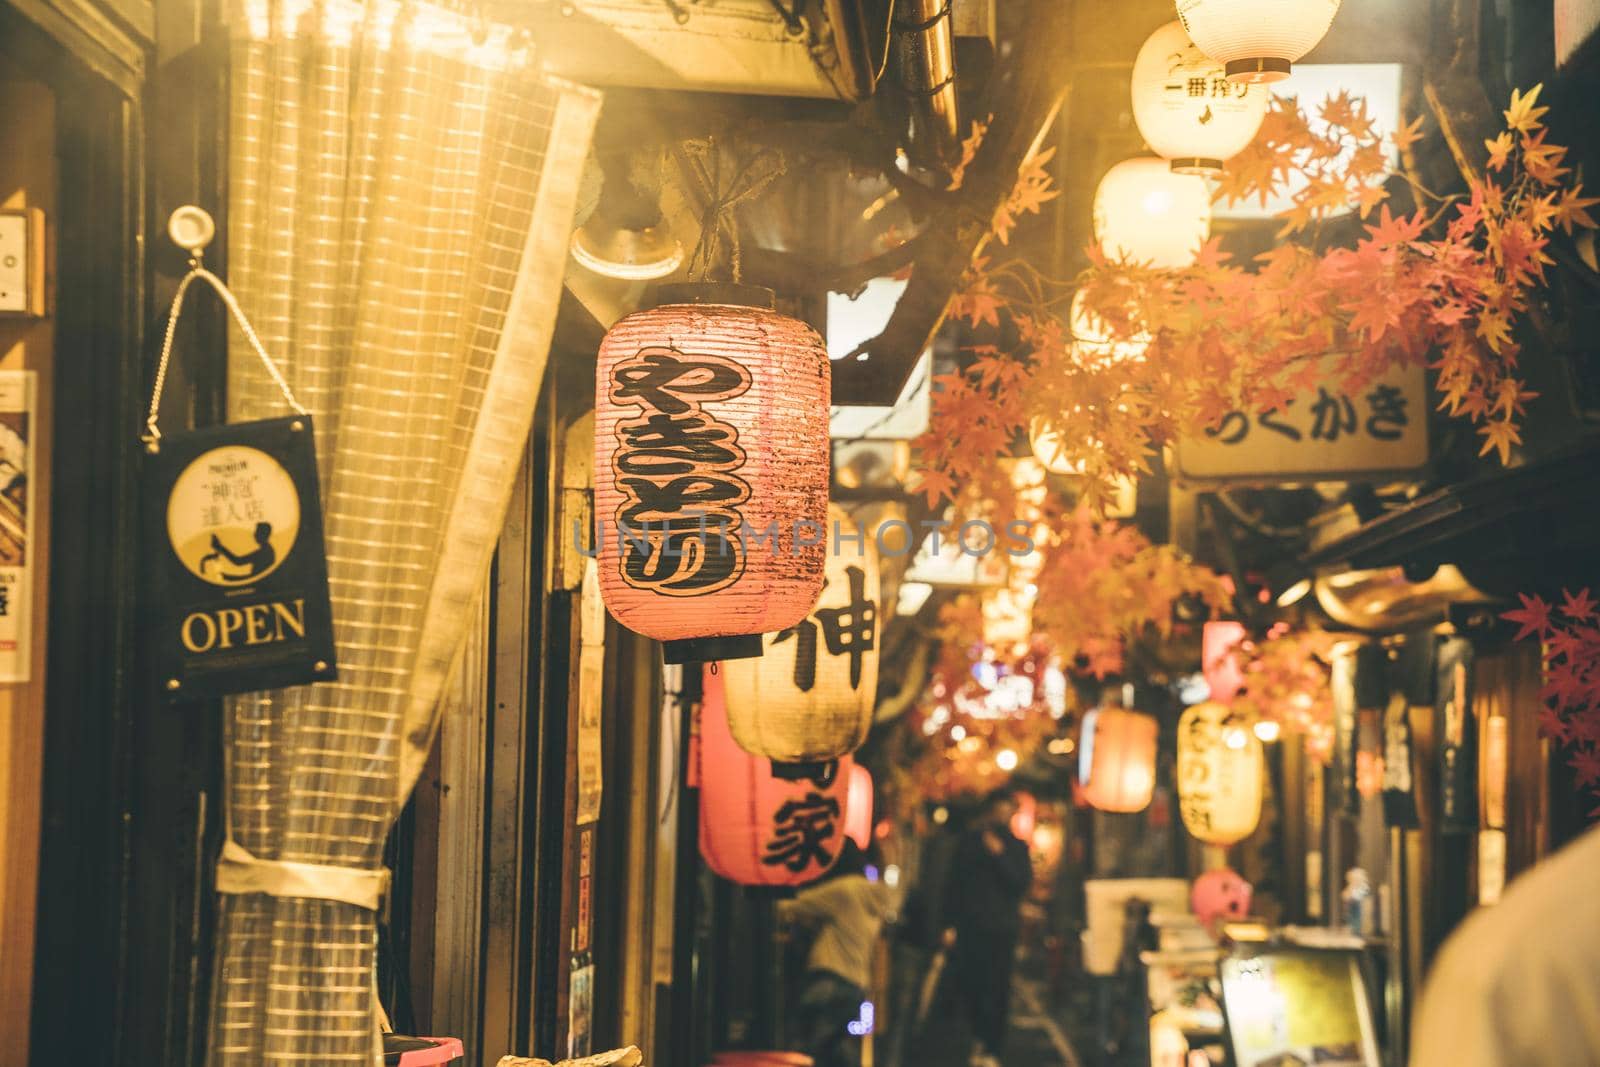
[(1257, 40), (1186, 108), (1094, 345), (1220, 775), (1146, 213)]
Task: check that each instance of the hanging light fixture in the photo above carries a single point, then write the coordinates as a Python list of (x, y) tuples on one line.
[(811, 693), (624, 235), (711, 470), (1117, 759), (1257, 40), (759, 826), (1186, 108), (1220, 774), (1146, 213)]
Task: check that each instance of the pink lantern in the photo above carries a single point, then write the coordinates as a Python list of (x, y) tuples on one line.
[(1220, 895), (763, 823), (1219, 659), (1117, 759), (1025, 818), (711, 470), (858, 807)]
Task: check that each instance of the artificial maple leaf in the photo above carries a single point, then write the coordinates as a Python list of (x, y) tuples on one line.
[(1540, 159), (1586, 767), (1579, 605), (1533, 617), (1500, 437), (1572, 209), (1499, 150), (1407, 134), (1522, 115)]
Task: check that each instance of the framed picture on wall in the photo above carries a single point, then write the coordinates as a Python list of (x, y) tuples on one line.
[(1294, 1006)]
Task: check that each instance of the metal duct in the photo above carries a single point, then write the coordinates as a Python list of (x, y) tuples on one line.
[(924, 44)]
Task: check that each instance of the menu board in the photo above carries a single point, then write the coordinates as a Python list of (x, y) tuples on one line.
[(1298, 1007)]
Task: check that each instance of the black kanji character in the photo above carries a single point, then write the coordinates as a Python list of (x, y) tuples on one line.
[(853, 628), (1388, 413), (800, 829), (1197, 87), (1335, 415)]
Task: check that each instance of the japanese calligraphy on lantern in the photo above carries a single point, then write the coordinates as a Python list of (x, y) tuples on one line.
[(16, 524), (1326, 434), (677, 467), (1219, 775), (804, 832)]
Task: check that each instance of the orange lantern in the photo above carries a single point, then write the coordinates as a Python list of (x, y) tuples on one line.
[(765, 823), (1220, 774), (711, 470), (811, 693), (858, 807), (1117, 759)]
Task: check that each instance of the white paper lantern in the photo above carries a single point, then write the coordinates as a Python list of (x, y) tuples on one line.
[(1257, 40), (1220, 775), (1145, 213), (1187, 110), (810, 694), (1095, 345)]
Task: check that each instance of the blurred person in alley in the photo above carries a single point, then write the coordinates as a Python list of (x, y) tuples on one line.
[(1519, 982), (845, 911), (989, 875)]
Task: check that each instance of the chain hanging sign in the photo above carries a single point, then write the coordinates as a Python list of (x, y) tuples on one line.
[(238, 579)]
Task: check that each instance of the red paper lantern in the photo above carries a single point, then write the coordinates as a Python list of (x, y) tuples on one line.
[(1219, 658), (858, 807), (1117, 759), (1025, 818), (763, 823), (711, 470)]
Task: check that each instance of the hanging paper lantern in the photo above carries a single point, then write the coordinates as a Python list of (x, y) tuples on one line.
[(1095, 346), (811, 693), (1117, 759), (1220, 895), (1219, 658), (858, 806), (765, 823), (1257, 40), (711, 470), (1220, 774), (1186, 108), (1145, 213), (1026, 818)]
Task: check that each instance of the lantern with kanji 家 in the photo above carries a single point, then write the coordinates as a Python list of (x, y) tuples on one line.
[(858, 806), (1220, 774), (811, 693), (1257, 40), (1117, 759), (764, 823), (1146, 213), (711, 470), (1186, 108)]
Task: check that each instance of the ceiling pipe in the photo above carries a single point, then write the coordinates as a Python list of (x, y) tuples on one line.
[(924, 43)]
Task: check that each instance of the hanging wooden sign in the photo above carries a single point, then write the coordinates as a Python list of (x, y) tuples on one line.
[(239, 585), (238, 579)]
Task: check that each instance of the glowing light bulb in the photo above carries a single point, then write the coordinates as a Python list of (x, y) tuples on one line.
[(1006, 759), (1268, 730)]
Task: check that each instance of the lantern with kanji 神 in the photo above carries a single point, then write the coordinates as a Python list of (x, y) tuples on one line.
[(711, 470), (811, 693), (1117, 759), (1256, 40), (1146, 213), (764, 823), (1186, 108), (1220, 774), (858, 806)]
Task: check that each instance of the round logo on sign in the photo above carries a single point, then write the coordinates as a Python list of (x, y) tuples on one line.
[(233, 515)]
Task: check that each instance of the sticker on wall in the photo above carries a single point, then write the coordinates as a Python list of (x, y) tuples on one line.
[(238, 580), (17, 548)]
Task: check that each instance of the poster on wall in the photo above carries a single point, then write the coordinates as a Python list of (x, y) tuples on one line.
[(591, 686), (16, 524)]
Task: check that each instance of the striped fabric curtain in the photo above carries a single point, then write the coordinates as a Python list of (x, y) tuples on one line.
[(403, 181)]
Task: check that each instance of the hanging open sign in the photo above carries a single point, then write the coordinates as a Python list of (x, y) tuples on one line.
[(238, 580)]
